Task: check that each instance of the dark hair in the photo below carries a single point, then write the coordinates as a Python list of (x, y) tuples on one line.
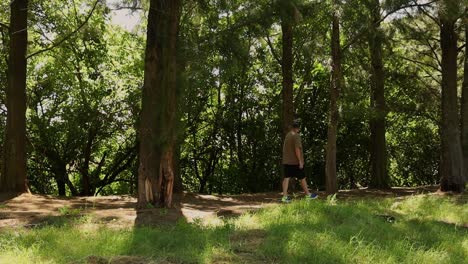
[(296, 124)]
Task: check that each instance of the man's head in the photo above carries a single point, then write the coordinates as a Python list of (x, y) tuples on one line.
[(296, 126)]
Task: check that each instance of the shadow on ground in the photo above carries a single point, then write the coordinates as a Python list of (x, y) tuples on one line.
[(119, 211)]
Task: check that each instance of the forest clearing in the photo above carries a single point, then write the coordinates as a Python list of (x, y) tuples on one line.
[(359, 226), (233, 131)]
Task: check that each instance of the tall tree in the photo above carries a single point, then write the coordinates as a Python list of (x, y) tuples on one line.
[(451, 166), (158, 114), (287, 61), (379, 173), (287, 11), (14, 176), (464, 101), (335, 87)]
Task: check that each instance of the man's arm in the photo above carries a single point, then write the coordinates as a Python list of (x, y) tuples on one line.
[(297, 150), (299, 157)]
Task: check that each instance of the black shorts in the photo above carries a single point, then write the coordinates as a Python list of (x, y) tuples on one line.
[(293, 171)]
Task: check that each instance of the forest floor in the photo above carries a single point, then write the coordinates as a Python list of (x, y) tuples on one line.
[(402, 225), (29, 210)]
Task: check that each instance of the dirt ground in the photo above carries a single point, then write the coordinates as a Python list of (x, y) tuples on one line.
[(28, 210)]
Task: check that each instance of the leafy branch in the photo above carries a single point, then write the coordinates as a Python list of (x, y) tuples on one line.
[(58, 43), (403, 7), (4, 25)]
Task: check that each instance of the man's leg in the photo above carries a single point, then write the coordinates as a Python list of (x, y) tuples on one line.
[(304, 186), (285, 186), (308, 195)]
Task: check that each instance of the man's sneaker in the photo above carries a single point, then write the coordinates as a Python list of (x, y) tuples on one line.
[(311, 196), (286, 199)]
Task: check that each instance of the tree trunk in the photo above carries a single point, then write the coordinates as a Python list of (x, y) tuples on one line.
[(379, 174), (178, 186), (85, 177), (166, 177), (287, 71), (60, 178), (464, 104), (287, 62), (59, 169), (335, 87), (452, 158), (158, 113), (73, 190), (14, 177), (202, 186)]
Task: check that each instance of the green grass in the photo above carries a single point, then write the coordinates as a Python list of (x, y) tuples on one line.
[(67, 211), (418, 229)]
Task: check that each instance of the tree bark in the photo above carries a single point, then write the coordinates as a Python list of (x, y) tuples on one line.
[(158, 114), (166, 177), (287, 71), (378, 148), (452, 158), (178, 185), (73, 190), (60, 173), (14, 177), (59, 169), (287, 62), (335, 87), (464, 103), (87, 188)]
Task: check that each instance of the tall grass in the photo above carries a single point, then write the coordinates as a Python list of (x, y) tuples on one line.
[(418, 229)]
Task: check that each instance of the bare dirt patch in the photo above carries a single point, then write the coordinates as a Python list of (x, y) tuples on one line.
[(29, 210)]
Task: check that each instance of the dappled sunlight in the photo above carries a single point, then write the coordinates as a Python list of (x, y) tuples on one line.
[(355, 228), (119, 211), (248, 221), (356, 231), (433, 207), (196, 206)]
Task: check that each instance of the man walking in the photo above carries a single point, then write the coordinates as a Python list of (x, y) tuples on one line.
[(293, 162)]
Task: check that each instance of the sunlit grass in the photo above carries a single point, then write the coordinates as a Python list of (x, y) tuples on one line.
[(417, 229), (433, 207)]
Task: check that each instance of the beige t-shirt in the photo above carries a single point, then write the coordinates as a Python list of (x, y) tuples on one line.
[(291, 142)]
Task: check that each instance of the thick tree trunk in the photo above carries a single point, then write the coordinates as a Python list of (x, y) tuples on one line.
[(158, 114), (287, 71), (287, 62), (335, 87), (451, 170), (464, 104), (178, 186), (378, 148), (14, 177), (166, 177)]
